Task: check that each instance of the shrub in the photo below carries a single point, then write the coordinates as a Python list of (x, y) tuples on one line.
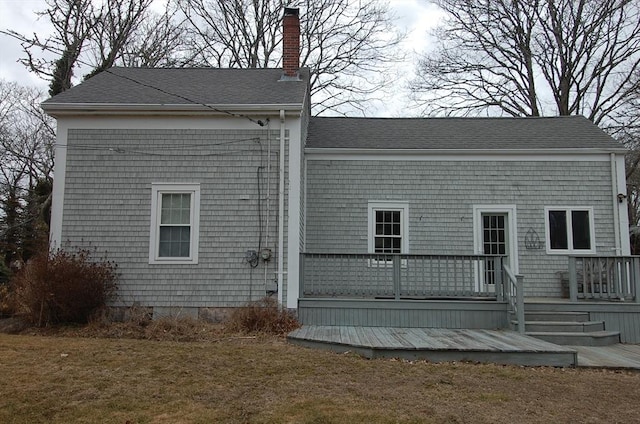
[(6, 301), (5, 272), (263, 316), (6, 295), (63, 287)]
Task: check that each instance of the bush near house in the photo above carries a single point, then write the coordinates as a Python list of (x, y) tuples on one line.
[(5, 273), (63, 287), (6, 302), (262, 316)]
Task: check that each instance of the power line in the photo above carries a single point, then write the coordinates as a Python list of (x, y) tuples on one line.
[(180, 96), (158, 151), (164, 147)]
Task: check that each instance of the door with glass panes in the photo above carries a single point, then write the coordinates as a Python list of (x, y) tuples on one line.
[(495, 241)]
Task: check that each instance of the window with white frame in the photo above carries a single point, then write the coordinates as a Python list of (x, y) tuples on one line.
[(388, 227), (569, 230), (175, 216)]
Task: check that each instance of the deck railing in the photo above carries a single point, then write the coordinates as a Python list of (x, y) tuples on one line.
[(514, 292), (604, 277), (400, 276)]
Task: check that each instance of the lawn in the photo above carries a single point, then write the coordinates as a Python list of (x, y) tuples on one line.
[(52, 379)]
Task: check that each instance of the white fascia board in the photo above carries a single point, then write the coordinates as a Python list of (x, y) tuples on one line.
[(158, 122), (587, 154), (57, 109)]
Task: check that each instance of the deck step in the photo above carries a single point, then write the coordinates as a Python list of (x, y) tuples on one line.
[(593, 338), (561, 326), (556, 316)]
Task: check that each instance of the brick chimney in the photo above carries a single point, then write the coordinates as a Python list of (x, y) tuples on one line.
[(291, 43)]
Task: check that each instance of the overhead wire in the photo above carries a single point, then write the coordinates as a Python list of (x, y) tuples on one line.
[(157, 150), (182, 97)]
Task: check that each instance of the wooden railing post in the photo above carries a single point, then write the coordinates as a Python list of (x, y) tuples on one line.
[(573, 280), (498, 274), (396, 276), (520, 303)]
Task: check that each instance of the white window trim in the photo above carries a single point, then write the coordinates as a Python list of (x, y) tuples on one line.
[(157, 190), (388, 205), (570, 250)]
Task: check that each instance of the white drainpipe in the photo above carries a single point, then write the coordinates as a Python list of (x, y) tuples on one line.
[(266, 240), (614, 189), (281, 212)]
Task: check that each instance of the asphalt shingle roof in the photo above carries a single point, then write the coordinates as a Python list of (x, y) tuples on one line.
[(140, 86), (567, 132)]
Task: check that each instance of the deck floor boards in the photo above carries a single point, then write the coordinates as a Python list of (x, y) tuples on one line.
[(437, 344), (614, 356), (441, 344)]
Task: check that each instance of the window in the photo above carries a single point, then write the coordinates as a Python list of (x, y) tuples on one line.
[(569, 230), (388, 227), (175, 215)]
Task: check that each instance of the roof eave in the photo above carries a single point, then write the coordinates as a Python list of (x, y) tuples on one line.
[(438, 152), (59, 109)]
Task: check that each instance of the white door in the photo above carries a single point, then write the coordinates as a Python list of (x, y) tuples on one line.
[(495, 233), (495, 241)]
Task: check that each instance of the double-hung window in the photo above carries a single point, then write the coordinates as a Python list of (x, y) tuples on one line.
[(175, 215), (388, 227), (569, 230)]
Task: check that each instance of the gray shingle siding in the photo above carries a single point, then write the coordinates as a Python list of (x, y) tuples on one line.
[(303, 187), (441, 196), (108, 206), (286, 219)]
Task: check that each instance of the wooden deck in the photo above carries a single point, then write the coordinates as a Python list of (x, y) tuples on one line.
[(624, 356), (437, 344)]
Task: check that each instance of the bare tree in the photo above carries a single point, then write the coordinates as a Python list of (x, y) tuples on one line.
[(533, 57), (72, 21), (118, 21), (95, 36), (349, 46), (159, 41), (26, 165)]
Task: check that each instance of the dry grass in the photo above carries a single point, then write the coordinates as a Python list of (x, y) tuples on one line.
[(183, 329), (264, 380)]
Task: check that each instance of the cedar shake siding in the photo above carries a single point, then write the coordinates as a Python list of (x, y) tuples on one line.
[(107, 206), (441, 196)]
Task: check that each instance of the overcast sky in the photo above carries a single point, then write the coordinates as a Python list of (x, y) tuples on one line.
[(416, 16)]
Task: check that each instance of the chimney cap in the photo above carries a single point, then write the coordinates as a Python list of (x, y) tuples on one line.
[(288, 11)]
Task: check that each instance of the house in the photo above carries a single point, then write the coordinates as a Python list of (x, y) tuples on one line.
[(211, 188)]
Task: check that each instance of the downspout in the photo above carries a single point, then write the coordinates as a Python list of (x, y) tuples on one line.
[(266, 242), (614, 192), (281, 212)]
